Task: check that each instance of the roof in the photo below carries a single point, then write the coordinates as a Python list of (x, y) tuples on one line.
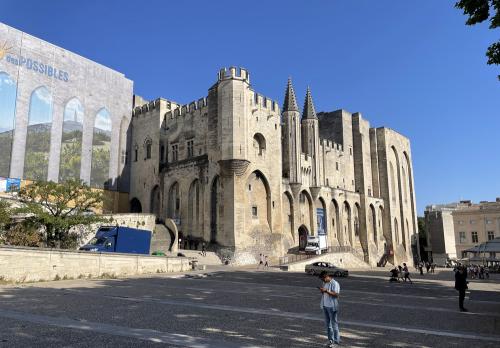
[(309, 111), (491, 246), (290, 103)]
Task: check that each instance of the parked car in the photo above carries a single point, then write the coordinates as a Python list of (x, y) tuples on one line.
[(120, 239), (317, 267)]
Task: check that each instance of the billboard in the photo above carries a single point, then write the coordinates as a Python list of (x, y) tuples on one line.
[(320, 216)]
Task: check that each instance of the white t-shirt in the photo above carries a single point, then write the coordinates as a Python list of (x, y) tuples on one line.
[(328, 300)]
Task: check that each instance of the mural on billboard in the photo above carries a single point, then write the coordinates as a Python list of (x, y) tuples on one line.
[(101, 150), (36, 159), (320, 215), (7, 121), (71, 143)]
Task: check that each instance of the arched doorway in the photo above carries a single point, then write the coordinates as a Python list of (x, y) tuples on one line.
[(135, 206), (303, 233), (155, 201)]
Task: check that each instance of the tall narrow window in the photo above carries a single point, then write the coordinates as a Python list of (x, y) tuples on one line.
[(36, 158), (462, 237), (474, 237), (136, 152), (491, 235), (101, 150), (175, 152), (7, 121), (149, 144), (71, 142), (190, 148)]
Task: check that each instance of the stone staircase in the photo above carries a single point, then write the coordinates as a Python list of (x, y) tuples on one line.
[(210, 260)]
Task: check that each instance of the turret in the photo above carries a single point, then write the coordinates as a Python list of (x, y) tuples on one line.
[(291, 139), (310, 136)]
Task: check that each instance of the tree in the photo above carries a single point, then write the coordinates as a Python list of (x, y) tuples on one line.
[(479, 11), (5, 213), (58, 207)]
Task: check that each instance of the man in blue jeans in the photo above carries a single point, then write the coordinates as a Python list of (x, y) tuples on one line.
[(330, 305)]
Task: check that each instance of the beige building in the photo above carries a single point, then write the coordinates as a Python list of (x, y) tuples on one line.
[(236, 171), (455, 227)]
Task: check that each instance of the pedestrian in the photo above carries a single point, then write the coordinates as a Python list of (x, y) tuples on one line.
[(421, 267), (261, 261), (400, 273), (427, 266), (203, 249), (461, 285), (433, 266), (406, 273), (330, 291), (487, 272), (266, 263)]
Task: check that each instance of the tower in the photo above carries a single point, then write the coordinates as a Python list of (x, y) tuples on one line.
[(310, 137), (290, 132)]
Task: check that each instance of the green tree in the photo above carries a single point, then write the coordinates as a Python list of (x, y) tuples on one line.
[(478, 11), (5, 213), (58, 207)]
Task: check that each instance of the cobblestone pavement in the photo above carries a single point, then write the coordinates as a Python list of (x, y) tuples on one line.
[(227, 307)]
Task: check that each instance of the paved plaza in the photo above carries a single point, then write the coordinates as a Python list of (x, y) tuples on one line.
[(247, 308)]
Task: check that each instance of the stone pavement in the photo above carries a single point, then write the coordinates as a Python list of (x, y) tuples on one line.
[(227, 307)]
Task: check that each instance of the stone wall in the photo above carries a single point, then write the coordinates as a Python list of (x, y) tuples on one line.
[(33, 264), (342, 260)]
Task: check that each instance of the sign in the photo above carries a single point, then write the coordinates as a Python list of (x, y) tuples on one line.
[(9, 184), (33, 64), (320, 216)]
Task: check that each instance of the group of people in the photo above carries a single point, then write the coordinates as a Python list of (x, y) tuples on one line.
[(478, 272), (400, 272), (263, 261), (429, 266)]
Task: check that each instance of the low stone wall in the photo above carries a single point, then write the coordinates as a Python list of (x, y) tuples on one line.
[(342, 260), (19, 264)]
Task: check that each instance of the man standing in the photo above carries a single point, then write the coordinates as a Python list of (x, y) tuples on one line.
[(461, 285), (330, 305), (261, 261)]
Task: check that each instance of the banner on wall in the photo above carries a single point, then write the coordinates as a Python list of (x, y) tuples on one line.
[(9, 184), (320, 216)]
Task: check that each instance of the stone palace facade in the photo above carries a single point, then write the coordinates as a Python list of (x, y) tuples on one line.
[(236, 171)]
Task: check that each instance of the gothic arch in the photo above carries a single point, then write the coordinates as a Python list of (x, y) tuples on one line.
[(71, 141), (155, 201), (288, 215), (215, 200), (259, 198), (174, 202), (410, 185), (259, 143), (373, 224), (347, 223), (194, 208), (306, 210), (8, 96), (322, 224), (399, 196), (336, 223)]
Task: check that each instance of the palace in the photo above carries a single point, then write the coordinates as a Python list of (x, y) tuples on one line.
[(236, 171)]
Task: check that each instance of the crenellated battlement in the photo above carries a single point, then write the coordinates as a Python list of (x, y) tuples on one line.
[(263, 102), (143, 109), (233, 72), (183, 110), (330, 145)]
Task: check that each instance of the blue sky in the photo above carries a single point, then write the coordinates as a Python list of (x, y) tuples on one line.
[(410, 65)]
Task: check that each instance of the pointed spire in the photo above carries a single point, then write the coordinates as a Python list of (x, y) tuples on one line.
[(309, 111), (290, 103)]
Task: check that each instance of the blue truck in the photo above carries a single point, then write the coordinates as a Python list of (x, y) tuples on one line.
[(118, 239)]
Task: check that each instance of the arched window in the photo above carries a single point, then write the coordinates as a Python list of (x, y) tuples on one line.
[(148, 144), (259, 143), (101, 150), (36, 158), (71, 141), (7, 121)]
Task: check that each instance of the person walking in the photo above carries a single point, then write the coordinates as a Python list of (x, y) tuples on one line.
[(400, 273), (261, 261), (421, 267), (461, 285), (203, 249), (330, 291), (406, 273), (266, 262)]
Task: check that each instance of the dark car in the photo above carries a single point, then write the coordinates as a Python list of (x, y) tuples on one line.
[(318, 267)]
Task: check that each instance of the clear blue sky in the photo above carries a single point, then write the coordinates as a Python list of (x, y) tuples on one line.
[(410, 65)]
